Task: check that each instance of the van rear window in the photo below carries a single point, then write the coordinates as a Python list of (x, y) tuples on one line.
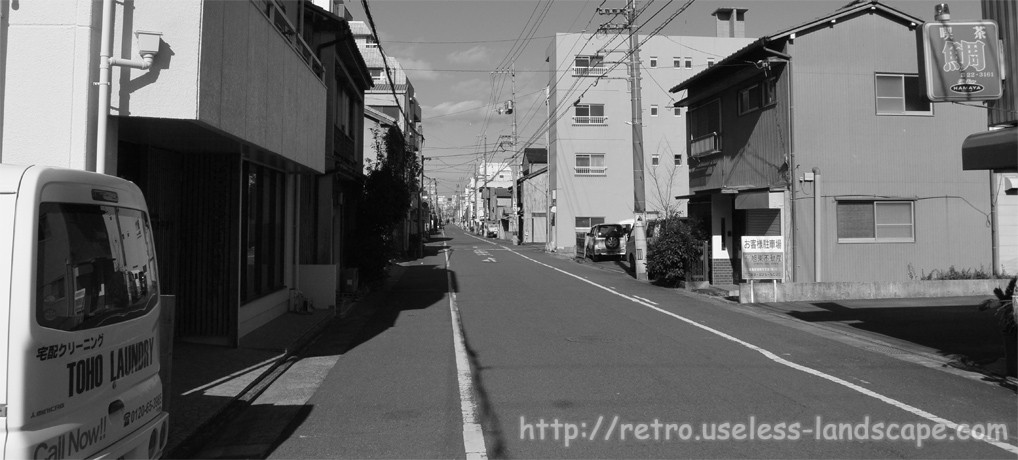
[(96, 266)]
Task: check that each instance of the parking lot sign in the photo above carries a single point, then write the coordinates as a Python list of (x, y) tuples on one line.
[(962, 61)]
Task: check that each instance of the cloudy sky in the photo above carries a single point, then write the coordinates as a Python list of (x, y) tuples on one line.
[(457, 53)]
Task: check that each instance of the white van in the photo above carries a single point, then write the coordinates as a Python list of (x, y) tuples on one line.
[(79, 308)]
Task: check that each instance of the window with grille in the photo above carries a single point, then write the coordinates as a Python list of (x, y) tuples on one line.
[(584, 66), (589, 114), (705, 128), (590, 164)]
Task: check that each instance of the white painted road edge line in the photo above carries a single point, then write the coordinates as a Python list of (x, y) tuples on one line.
[(473, 435), (773, 357)]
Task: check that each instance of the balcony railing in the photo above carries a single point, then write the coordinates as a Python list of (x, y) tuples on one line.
[(278, 18), (705, 145), (596, 71), (591, 170), (342, 143), (590, 120)]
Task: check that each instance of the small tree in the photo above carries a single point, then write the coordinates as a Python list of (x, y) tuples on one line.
[(678, 242), (389, 184)]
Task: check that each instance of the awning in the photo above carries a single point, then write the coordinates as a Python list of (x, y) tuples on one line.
[(996, 149)]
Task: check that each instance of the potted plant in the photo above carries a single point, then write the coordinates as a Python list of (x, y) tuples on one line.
[(1003, 308)]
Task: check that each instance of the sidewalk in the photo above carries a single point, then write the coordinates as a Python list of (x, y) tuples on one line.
[(950, 330), (210, 382)]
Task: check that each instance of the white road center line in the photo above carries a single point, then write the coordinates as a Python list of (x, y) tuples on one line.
[(773, 357), (473, 434)]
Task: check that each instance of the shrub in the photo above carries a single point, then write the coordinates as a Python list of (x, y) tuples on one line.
[(677, 242), (1003, 307), (954, 274)]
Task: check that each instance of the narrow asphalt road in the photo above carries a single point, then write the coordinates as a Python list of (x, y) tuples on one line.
[(566, 360)]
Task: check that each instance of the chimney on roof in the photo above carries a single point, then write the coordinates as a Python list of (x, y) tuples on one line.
[(731, 22)]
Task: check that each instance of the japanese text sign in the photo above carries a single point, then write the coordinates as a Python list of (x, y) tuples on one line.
[(763, 258), (962, 61)]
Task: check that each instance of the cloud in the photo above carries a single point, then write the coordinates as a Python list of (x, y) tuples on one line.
[(462, 110), (472, 55), (472, 87), (417, 69)]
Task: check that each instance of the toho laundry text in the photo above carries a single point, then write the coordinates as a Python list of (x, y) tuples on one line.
[(87, 374)]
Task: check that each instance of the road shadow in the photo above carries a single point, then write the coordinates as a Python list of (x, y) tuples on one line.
[(960, 332), (419, 287)]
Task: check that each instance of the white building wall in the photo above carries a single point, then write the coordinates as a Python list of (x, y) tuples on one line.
[(611, 196), (1007, 223), (48, 99)]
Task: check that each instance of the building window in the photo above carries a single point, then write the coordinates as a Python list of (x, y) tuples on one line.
[(677, 111), (653, 110), (585, 66), (590, 164), (377, 76), (750, 99), (653, 61), (757, 96), (262, 233), (689, 63), (370, 42), (583, 225), (677, 62), (876, 222), (655, 159), (899, 94), (704, 126), (678, 159), (710, 62), (589, 114)]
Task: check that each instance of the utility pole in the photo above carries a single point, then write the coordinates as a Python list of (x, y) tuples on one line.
[(477, 183), (639, 192), (510, 108), (420, 208)]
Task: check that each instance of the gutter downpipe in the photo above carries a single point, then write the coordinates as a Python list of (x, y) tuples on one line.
[(818, 225), (106, 62), (102, 120)]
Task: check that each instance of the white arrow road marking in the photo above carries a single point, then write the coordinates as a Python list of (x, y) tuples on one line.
[(777, 359)]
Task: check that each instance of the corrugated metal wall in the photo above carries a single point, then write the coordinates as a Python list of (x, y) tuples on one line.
[(863, 154), (1005, 12)]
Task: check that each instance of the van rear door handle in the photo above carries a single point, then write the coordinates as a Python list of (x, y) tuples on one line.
[(116, 406)]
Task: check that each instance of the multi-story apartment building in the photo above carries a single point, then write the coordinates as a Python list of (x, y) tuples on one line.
[(590, 149), (225, 126), (398, 99), (834, 153)]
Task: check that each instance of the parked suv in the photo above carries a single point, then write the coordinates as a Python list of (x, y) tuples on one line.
[(604, 240)]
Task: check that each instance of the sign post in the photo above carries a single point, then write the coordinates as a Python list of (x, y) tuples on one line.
[(763, 258), (962, 61)]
